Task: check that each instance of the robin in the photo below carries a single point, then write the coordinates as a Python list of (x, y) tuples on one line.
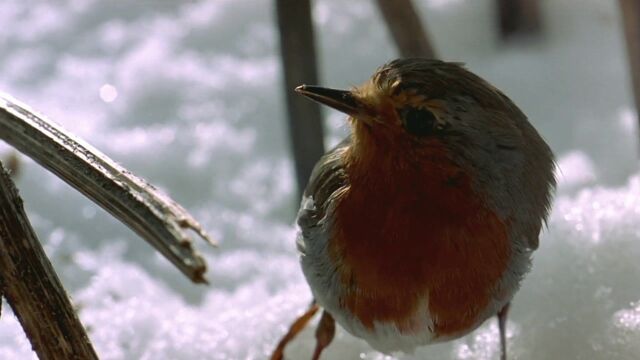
[(421, 225)]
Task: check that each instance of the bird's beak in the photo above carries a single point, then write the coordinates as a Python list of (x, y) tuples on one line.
[(341, 100)]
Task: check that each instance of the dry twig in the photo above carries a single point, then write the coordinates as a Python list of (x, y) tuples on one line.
[(32, 287), (151, 214)]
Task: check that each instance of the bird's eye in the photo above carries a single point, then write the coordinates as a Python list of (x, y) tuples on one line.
[(418, 122)]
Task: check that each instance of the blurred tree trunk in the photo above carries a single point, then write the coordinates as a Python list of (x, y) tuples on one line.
[(31, 285), (405, 27), (298, 54), (519, 17), (630, 10)]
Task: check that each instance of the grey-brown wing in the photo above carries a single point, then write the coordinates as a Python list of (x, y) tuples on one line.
[(327, 180)]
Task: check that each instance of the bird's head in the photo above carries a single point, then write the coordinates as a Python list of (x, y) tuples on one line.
[(417, 108)]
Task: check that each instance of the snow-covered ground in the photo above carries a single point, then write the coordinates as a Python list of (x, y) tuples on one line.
[(189, 96)]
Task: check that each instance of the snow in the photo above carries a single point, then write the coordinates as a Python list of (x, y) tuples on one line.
[(189, 96), (575, 170)]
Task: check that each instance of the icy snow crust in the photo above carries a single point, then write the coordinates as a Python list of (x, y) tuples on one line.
[(188, 95)]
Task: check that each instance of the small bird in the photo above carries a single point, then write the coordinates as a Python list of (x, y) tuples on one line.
[(421, 224)]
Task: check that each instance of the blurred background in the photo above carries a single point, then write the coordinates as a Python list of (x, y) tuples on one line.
[(190, 96)]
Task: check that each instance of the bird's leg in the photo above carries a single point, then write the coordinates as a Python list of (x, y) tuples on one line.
[(298, 325), (324, 334), (502, 325)]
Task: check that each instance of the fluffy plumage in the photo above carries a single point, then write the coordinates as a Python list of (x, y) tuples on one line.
[(420, 225)]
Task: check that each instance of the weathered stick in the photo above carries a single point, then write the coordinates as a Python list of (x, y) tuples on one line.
[(151, 214), (630, 11), (31, 285), (298, 54), (408, 33)]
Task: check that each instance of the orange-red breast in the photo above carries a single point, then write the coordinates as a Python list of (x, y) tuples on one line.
[(420, 226)]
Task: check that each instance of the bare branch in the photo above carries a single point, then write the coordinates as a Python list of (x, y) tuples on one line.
[(519, 17), (409, 34), (151, 214), (31, 285), (630, 10), (298, 54)]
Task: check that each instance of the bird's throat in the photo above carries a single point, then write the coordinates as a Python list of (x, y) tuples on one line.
[(379, 159)]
